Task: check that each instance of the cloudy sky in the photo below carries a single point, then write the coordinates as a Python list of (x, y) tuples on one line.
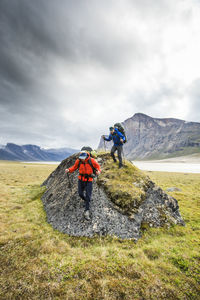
[(70, 69)]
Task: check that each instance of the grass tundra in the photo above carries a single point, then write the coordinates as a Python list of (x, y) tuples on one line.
[(37, 262)]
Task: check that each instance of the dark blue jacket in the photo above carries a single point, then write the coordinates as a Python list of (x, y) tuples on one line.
[(116, 136)]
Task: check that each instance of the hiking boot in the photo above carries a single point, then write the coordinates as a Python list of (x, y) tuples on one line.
[(120, 166), (87, 215)]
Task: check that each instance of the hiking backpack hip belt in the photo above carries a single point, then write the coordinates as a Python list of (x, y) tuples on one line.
[(87, 176)]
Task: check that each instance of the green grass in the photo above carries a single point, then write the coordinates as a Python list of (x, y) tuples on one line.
[(38, 262)]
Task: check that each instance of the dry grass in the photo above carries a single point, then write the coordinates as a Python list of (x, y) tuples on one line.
[(38, 262)]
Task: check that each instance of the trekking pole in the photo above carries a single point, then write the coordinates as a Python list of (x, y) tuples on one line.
[(104, 145), (123, 154)]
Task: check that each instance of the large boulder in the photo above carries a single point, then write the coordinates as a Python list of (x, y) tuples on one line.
[(124, 201)]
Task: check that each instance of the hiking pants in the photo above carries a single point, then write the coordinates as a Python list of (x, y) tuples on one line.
[(85, 186), (119, 153)]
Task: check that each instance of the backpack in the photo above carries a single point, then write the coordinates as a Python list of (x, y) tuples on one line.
[(86, 148), (121, 129), (89, 149)]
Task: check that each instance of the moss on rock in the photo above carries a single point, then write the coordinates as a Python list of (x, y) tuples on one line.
[(126, 187)]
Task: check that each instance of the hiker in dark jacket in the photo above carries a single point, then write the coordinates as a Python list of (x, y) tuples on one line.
[(118, 140), (86, 166)]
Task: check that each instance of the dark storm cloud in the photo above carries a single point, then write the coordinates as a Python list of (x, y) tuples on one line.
[(34, 30), (24, 41), (70, 68), (36, 34)]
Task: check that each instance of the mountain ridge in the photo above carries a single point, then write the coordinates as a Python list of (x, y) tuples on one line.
[(158, 138), (30, 152)]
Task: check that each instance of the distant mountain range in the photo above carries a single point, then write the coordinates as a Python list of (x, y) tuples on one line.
[(148, 138), (33, 153), (153, 138)]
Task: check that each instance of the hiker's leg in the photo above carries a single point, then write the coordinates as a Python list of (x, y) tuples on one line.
[(81, 187), (113, 149), (119, 152), (88, 195)]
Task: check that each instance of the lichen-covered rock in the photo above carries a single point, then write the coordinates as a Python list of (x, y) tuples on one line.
[(124, 201)]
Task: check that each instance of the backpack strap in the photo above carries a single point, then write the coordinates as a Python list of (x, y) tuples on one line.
[(91, 165)]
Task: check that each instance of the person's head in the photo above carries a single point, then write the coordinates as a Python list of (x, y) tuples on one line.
[(83, 155), (112, 129)]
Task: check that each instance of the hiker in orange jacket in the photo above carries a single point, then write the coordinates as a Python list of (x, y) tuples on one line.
[(88, 169)]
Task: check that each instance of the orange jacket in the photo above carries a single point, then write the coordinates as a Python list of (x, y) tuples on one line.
[(85, 168)]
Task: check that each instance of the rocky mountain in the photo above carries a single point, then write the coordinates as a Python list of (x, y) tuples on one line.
[(153, 138), (124, 202), (33, 153)]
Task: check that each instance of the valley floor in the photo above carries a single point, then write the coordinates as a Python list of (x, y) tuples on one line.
[(38, 262), (184, 164), (192, 159)]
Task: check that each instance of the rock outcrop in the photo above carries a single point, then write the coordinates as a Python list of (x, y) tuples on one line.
[(153, 138), (123, 202)]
